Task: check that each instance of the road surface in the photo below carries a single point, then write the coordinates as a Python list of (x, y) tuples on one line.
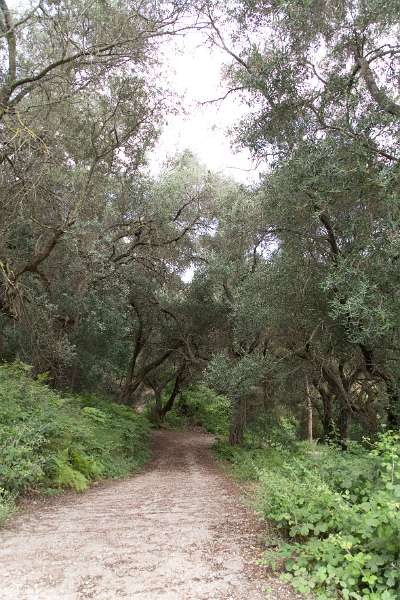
[(176, 531)]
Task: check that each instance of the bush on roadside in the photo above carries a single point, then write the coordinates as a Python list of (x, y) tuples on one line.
[(49, 442), (248, 462), (272, 431), (338, 514), (7, 505), (343, 514), (199, 406)]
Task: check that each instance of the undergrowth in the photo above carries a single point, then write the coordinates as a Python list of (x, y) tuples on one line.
[(338, 514), (49, 442), (198, 406)]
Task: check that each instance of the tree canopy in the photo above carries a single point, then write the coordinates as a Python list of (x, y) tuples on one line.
[(294, 280)]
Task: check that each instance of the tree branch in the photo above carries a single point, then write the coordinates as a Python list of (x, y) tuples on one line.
[(41, 256), (377, 93), (8, 31)]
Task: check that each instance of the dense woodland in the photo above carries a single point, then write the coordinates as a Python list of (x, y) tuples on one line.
[(292, 312)]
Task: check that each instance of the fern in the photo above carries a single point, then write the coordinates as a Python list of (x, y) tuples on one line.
[(66, 476), (49, 442), (86, 465)]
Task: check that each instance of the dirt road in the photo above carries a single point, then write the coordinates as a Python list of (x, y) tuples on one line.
[(175, 531)]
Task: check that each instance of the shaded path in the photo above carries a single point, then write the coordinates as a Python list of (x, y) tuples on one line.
[(175, 531)]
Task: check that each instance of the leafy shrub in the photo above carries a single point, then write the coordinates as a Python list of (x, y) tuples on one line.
[(339, 510), (346, 539), (21, 465), (85, 464), (247, 462), (272, 431), (199, 406), (7, 505), (300, 505), (355, 472), (48, 442), (95, 414), (64, 475)]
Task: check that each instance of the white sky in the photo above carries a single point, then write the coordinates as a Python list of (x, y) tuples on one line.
[(193, 71)]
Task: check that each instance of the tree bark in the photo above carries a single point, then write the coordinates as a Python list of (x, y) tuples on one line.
[(393, 393), (380, 97), (343, 422), (175, 391), (8, 31), (309, 413), (133, 381), (339, 387), (156, 413), (327, 413), (238, 422)]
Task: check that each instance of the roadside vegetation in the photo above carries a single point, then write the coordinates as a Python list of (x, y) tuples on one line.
[(333, 516), (50, 442), (336, 515)]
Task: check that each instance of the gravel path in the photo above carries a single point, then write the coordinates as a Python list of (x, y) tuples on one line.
[(175, 531)]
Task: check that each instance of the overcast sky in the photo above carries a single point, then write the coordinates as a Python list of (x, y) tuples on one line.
[(193, 71)]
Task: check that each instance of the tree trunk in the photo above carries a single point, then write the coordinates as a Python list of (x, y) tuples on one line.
[(156, 413), (130, 386), (175, 391), (238, 422), (393, 409), (343, 423), (327, 413), (134, 381), (340, 388), (309, 413)]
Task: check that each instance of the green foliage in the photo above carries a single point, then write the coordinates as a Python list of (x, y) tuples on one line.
[(63, 474), (95, 414), (7, 505), (234, 378), (199, 406), (296, 279), (267, 441), (343, 512), (301, 505), (340, 511), (247, 462), (49, 442), (272, 431)]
